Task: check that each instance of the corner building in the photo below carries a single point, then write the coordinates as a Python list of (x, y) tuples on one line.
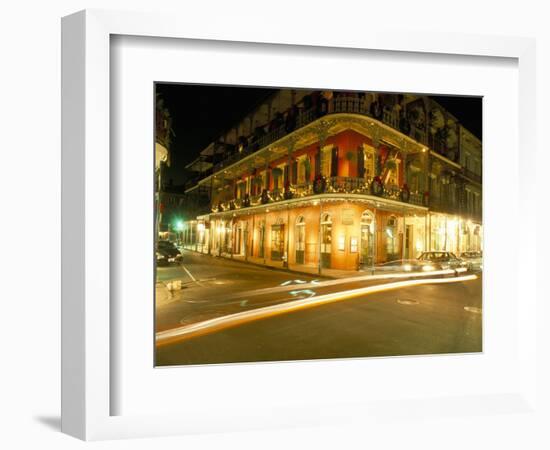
[(343, 181)]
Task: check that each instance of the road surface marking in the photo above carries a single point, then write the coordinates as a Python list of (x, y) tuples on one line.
[(407, 301), (191, 275), (219, 323)]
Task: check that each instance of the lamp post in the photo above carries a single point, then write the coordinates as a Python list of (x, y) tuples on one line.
[(179, 228)]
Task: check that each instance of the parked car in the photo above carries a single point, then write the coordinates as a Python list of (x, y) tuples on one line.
[(441, 260), (401, 265), (473, 260), (162, 258), (169, 250)]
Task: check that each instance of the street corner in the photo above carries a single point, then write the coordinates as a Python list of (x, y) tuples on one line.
[(168, 292)]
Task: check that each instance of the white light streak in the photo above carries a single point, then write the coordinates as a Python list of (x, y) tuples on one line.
[(208, 326)]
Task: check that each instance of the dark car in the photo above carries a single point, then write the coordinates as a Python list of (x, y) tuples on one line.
[(162, 258), (167, 250), (441, 260)]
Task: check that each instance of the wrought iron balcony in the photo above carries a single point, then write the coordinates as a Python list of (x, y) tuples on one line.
[(472, 175), (349, 105), (343, 185)]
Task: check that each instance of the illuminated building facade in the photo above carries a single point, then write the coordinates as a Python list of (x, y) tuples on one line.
[(340, 180)]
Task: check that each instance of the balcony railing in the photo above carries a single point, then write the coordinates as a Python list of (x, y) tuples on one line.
[(349, 105), (343, 185), (472, 175)]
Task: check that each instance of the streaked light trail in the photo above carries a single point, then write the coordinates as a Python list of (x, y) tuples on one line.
[(219, 323)]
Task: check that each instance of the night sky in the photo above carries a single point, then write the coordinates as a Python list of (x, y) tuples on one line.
[(200, 114)]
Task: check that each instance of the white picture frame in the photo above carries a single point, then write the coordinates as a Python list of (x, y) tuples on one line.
[(87, 386)]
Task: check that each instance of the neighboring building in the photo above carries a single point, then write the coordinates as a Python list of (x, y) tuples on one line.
[(340, 180), (163, 135), (178, 206)]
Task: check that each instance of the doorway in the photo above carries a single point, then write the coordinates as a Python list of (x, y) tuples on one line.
[(300, 240), (367, 239), (277, 242)]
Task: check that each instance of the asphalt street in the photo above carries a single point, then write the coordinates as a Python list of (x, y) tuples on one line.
[(424, 319), (212, 286)]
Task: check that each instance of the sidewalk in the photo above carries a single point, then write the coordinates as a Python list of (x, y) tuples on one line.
[(306, 269)]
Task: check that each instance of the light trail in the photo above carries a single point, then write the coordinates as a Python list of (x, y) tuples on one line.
[(287, 286), (219, 323)]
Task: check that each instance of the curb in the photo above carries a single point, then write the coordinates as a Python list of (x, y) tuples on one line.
[(264, 266)]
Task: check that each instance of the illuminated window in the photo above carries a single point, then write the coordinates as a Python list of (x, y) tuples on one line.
[(392, 241), (353, 245), (326, 233), (326, 160), (300, 233), (277, 240), (302, 163), (392, 172)]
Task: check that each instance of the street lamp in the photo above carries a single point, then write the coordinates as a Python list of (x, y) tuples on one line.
[(179, 227)]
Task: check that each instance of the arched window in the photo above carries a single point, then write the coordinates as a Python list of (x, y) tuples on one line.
[(367, 219), (326, 233), (392, 241), (277, 240), (367, 238), (300, 239)]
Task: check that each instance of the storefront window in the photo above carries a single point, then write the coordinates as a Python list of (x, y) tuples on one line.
[(326, 233), (367, 238)]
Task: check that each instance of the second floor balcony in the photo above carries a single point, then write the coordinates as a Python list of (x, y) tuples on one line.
[(368, 186)]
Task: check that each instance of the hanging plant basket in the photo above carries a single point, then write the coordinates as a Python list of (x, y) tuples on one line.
[(391, 164)]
